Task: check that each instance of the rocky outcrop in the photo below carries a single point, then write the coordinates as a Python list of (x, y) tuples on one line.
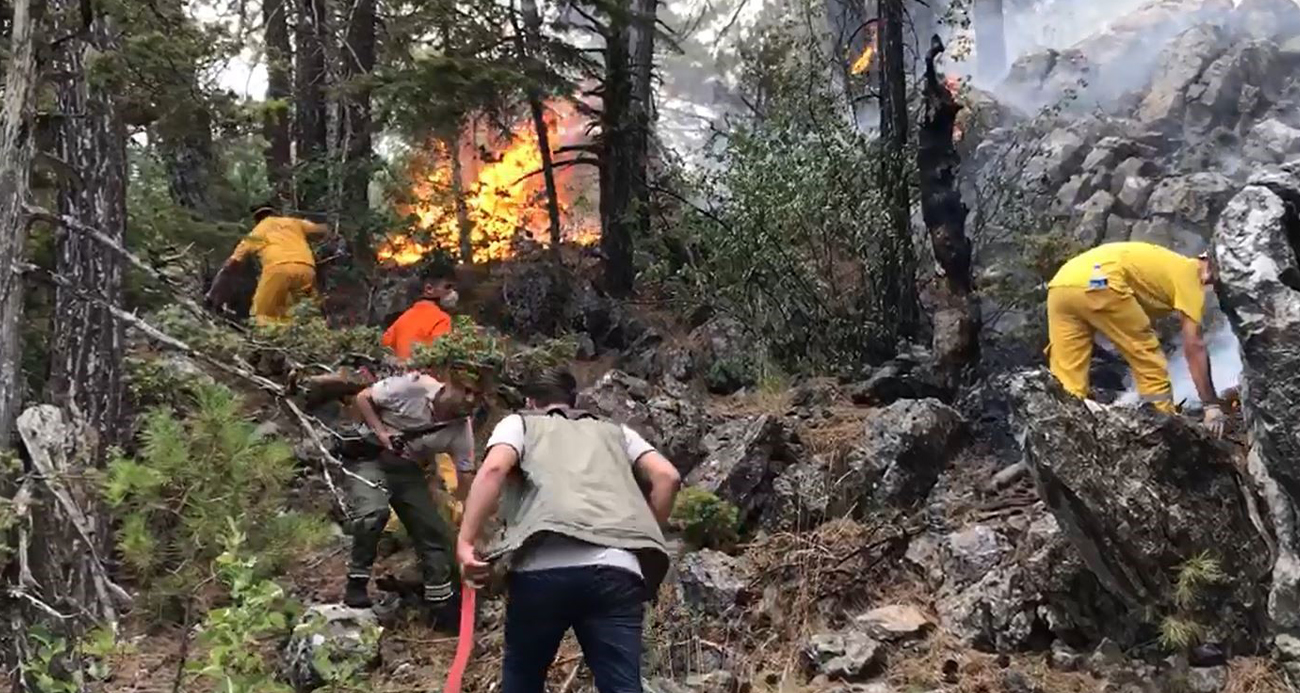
[(1259, 289), (906, 376), (1180, 66), (1140, 494), (743, 458), (672, 424), (330, 642), (846, 656), (904, 449)]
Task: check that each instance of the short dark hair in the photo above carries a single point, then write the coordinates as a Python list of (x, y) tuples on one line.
[(437, 272), (555, 385), (262, 210)]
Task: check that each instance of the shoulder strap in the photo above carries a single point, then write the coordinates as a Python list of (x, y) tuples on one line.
[(567, 412)]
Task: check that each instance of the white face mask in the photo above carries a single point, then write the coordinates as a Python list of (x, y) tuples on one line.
[(450, 300)]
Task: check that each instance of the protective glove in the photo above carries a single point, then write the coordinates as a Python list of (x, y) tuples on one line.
[(1215, 421)]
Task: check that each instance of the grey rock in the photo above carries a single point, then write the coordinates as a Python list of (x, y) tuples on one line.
[(710, 582), (1258, 290), (1133, 196), (1206, 679), (1060, 154), (1073, 192), (847, 656), (1197, 198), (904, 448), (1064, 658), (331, 632), (1273, 141), (904, 377), (713, 682), (674, 425), (725, 353), (1287, 646), (1182, 237), (743, 457), (801, 497), (1138, 493), (894, 622), (1180, 65), (971, 552), (1109, 152), (1092, 217), (1118, 229), (1233, 86)]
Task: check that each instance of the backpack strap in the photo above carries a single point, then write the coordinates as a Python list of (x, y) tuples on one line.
[(567, 412)]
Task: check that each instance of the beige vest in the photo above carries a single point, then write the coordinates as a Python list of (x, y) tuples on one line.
[(574, 479)]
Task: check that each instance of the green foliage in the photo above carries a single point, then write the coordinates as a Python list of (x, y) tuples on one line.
[(232, 635), (793, 239), (308, 339), (341, 663), (1194, 575), (483, 354), (160, 381), (46, 667), (705, 520), (191, 479), (1179, 634)]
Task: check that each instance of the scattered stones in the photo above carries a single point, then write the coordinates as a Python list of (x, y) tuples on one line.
[(908, 376), (674, 425)]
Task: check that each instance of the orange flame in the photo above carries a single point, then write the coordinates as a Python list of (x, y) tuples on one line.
[(863, 62), (505, 201)]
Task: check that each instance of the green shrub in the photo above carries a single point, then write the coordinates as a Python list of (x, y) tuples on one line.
[(231, 635), (705, 520), (192, 477), (308, 339)]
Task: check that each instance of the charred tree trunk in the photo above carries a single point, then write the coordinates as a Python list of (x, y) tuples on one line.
[(616, 188), (625, 144), (896, 289), (990, 38), (530, 50), (279, 87), (311, 124), (16, 143), (464, 227), (86, 351), (359, 61), (957, 321)]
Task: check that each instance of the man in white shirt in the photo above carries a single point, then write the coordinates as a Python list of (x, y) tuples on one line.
[(414, 417), (587, 551)]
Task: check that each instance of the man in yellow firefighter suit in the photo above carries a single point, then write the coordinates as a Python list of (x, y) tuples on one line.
[(288, 265), (1117, 289)]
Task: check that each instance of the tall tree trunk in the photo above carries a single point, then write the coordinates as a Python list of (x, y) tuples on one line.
[(311, 125), (359, 61), (464, 227), (957, 320), (641, 112), (531, 51), (896, 292), (16, 142), (615, 160), (86, 352), (990, 38), (279, 86)]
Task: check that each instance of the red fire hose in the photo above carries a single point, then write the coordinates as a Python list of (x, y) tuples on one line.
[(464, 640)]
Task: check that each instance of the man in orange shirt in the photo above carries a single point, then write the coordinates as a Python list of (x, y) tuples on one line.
[(427, 319)]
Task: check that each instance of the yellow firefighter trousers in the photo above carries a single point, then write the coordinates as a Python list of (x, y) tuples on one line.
[(1074, 315), (279, 287), (442, 487)]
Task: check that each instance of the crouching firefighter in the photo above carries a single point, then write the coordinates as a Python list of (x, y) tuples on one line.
[(586, 547), (413, 417)]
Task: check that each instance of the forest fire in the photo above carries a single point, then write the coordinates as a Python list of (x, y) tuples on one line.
[(503, 192), (863, 62)]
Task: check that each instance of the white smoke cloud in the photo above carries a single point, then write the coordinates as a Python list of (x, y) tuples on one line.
[(1225, 366)]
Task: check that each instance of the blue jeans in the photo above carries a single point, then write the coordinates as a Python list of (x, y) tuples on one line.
[(605, 608)]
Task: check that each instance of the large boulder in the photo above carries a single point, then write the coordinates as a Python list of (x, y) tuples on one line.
[(1140, 494), (329, 642), (801, 497), (1195, 199), (848, 656), (1272, 141), (1180, 65), (1235, 86), (904, 449), (724, 353), (674, 425), (743, 458), (710, 582), (1259, 290), (911, 375), (1267, 19)]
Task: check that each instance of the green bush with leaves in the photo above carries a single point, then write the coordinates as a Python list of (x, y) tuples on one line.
[(191, 478), (1181, 630), (705, 520), (233, 634), (485, 355), (308, 339)]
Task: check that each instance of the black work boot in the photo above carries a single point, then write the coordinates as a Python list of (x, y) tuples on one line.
[(442, 608), (356, 595)]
